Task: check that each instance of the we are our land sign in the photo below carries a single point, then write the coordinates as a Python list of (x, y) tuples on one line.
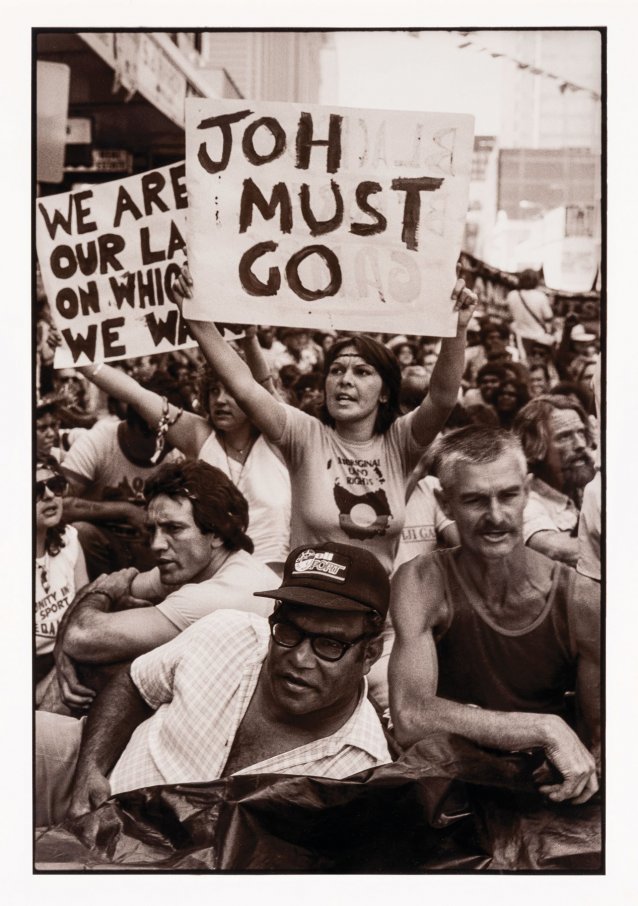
[(329, 217), (109, 255)]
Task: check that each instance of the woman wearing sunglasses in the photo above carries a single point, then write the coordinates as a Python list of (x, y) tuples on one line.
[(60, 569)]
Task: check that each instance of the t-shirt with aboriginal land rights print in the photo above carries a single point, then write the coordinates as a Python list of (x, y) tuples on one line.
[(347, 491)]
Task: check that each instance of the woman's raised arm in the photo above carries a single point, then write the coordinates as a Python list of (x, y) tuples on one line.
[(266, 412), (188, 433), (448, 371)]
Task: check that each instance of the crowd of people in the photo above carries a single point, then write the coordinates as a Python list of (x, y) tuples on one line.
[(299, 551)]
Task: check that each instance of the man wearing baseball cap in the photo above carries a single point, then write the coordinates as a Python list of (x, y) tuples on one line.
[(236, 693)]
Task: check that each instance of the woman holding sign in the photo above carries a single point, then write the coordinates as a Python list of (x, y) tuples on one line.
[(348, 474), (226, 439)]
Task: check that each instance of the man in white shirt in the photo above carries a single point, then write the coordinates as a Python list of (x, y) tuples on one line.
[(197, 520)]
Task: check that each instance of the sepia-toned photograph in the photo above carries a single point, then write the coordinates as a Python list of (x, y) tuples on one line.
[(318, 405)]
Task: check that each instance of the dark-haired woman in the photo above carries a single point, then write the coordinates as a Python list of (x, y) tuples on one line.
[(60, 569), (348, 474)]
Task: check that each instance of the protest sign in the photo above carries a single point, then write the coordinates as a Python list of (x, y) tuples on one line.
[(325, 217), (109, 254)]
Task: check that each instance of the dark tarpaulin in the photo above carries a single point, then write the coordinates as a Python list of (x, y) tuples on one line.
[(445, 805)]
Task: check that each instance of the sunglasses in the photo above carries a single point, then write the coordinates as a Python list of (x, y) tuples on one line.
[(57, 484), (287, 635)]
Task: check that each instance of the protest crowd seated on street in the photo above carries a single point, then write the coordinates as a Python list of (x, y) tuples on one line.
[(307, 548)]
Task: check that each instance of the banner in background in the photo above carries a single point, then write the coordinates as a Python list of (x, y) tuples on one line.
[(109, 254), (325, 217)]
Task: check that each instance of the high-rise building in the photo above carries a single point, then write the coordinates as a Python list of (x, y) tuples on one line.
[(556, 107)]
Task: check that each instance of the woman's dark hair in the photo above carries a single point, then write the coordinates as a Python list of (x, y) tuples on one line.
[(54, 537), (384, 361), (208, 380), (218, 506)]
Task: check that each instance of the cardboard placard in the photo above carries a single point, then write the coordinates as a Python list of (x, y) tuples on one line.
[(109, 255), (325, 217)]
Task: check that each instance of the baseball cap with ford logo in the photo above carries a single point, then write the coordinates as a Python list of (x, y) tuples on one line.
[(333, 576)]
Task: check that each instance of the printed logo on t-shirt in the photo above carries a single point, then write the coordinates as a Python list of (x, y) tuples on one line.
[(324, 564), (362, 515)]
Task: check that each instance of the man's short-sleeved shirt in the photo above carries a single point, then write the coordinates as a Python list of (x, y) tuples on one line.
[(548, 510), (231, 588), (200, 685)]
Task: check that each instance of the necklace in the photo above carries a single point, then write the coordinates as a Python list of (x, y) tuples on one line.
[(42, 567), (238, 460)]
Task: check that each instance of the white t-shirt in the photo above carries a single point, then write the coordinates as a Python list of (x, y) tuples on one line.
[(265, 483), (57, 574), (231, 588), (424, 519), (97, 457)]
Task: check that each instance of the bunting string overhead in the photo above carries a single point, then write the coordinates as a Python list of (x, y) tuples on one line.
[(564, 86)]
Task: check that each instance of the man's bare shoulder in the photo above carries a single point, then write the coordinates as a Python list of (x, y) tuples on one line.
[(418, 590)]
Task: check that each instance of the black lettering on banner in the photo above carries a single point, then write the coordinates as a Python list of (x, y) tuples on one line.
[(148, 255), (64, 259), (59, 221), (172, 328), (152, 185), (318, 227), (176, 241), (79, 344), (279, 144), (110, 336), (279, 197), (365, 188), (81, 213), (69, 303), (178, 181), (124, 290), (332, 262), (223, 122), (412, 205), (124, 203), (163, 329), (252, 285), (305, 142)]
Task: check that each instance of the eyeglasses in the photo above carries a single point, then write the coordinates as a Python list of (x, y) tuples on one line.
[(289, 636), (57, 484)]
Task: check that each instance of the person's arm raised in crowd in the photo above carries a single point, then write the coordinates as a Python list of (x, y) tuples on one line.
[(446, 377), (556, 545), (188, 432), (113, 619), (266, 412), (117, 711), (416, 608)]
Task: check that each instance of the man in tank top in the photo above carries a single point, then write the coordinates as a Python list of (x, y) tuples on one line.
[(495, 625)]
